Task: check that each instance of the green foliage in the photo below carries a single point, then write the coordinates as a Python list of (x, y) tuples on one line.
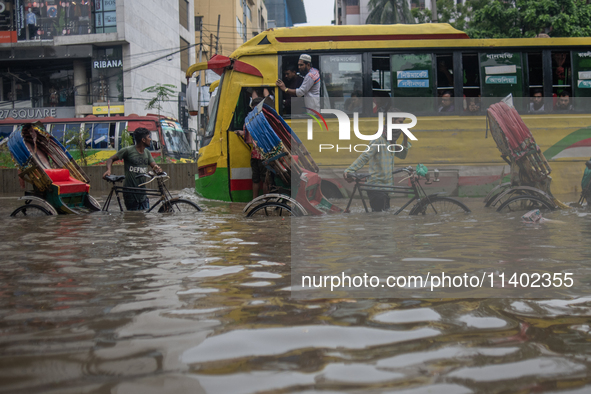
[(447, 12), (163, 93), (528, 18), (126, 139), (5, 157), (77, 140), (384, 12)]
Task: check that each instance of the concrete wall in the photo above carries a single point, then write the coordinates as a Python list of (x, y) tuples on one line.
[(181, 176)]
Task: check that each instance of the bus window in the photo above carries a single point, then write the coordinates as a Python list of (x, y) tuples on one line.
[(445, 70), (72, 131), (501, 74), (535, 79), (582, 74), (122, 133), (57, 130), (342, 78), (5, 131), (561, 72), (412, 77), (471, 78), (209, 130), (381, 79), (100, 136)]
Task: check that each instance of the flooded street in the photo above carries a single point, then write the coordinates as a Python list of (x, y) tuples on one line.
[(156, 303)]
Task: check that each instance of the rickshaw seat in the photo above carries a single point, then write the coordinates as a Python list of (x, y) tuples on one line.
[(66, 184)]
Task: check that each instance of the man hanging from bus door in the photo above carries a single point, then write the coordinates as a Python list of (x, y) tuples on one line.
[(381, 165), (310, 88), (292, 80), (135, 160)]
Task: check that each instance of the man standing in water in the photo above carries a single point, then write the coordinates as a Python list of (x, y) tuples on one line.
[(135, 160), (381, 165)]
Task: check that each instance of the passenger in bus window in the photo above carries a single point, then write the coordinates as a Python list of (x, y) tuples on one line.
[(473, 104), (292, 80), (537, 101), (447, 102), (354, 103), (563, 103), (310, 88), (444, 75)]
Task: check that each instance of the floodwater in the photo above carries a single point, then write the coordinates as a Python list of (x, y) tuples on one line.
[(154, 303)]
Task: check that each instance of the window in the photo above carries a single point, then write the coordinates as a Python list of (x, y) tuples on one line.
[(105, 16), (412, 82), (184, 13), (341, 77), (501, 74), (107, 74), (239, 27), (184, 54)]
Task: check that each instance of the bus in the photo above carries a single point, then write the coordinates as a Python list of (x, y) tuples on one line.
[(106, 135), (419, 67)]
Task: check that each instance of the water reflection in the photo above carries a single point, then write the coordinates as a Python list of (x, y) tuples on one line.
[(128, 303)]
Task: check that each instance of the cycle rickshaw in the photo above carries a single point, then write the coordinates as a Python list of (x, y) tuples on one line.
[(60, 186), (529, 185), (300, 193)]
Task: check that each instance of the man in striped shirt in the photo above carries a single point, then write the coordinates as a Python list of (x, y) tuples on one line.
[(310, 88), (381, 165)]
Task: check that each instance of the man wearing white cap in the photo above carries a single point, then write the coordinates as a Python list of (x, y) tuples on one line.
[(310, 88)]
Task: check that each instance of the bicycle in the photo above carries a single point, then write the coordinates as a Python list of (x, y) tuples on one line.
[(425, 204), (167, 203)]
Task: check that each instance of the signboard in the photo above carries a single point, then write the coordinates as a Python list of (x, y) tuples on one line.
[(496, 70), (584, 84), (413, 83), (501, 80), (104, 109), (584, 74), (38, 113), (414, 74)]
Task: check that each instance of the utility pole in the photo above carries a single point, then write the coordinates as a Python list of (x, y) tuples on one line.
[(244, 19), (210, 45), (433, 11), (199, 76), (217, 37)]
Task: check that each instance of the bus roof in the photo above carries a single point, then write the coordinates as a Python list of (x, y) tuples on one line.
[(350, 37)]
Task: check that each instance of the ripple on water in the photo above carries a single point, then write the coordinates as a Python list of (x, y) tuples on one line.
[(483, 322), (545, 367), (408, 316), (273, 341), (214, 270), (356, 374)]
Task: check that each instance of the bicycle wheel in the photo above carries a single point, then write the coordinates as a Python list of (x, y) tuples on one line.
[(438, 205), (179, 205), (272, 209), (525, 203), (30, 210)]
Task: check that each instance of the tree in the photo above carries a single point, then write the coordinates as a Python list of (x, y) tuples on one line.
[(384, 12), (447, 12), (528, 18), (78, 140), (163, 92)]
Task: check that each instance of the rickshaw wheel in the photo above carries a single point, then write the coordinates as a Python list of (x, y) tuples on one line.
[(30, 210), (525, 203), (272, 209)]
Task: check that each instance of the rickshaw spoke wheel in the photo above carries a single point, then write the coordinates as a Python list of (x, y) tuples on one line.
[(524, 203), (30, 210), (439, 206), (272, 209), (179, 205)]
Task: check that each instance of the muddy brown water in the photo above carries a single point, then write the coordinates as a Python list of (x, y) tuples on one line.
[(151, 303)]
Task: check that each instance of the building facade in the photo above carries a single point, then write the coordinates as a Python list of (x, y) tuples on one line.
[(76, 58), (232, 15), (285, 13)]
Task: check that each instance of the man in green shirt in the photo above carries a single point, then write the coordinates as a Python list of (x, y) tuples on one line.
[(381, 166), (136, 159)]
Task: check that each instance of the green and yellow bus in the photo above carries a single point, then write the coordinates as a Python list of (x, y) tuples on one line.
[(381, 61)]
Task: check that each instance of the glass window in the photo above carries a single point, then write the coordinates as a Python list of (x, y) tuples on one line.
[(58, 131), (107, 75), (412, 82), (105, 16), (381, 76), (100, 136), (561, 73), (72, 131), (445, 72), (471, 83), (341, 78), (184, 13), (501, 74), (184, 54), (5, 131), (582, 74)]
